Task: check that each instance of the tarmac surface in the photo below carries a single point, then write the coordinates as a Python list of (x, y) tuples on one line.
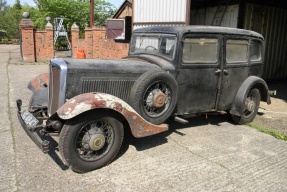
[(209, 154)]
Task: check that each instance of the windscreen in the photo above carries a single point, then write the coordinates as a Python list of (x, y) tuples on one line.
[(158, 44)]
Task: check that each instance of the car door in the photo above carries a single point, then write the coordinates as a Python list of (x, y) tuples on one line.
[(198, 77), (235, 68)]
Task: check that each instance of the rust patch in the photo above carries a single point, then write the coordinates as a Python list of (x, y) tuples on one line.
[(142, 128), (40, 81), (84, 102)]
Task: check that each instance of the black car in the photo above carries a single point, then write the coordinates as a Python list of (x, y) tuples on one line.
[(173, 72)]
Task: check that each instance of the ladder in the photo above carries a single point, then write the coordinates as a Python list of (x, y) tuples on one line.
[(60, 31), (219, 13)]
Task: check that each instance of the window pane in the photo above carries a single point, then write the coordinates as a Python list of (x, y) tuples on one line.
[(167, 46), (236, 51), (148, 44), (199, 50), (159, 44), (255, 50)]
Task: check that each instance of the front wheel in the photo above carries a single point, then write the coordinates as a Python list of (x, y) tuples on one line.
[(251, 106), (90, 141)]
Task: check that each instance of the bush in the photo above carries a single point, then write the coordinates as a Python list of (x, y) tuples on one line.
[(4, 39)]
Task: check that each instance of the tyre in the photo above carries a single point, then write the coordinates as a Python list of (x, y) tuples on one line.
[(154, 96), (251, 106), (90, 141)]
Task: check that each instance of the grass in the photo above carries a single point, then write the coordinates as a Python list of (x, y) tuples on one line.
[(275, 134)]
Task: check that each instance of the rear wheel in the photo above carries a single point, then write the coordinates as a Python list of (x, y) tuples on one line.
[(251, 106), (90, 141)]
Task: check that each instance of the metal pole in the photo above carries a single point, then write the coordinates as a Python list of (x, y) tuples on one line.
[(92, 5)]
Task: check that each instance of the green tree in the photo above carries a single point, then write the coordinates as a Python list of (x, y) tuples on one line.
[(11, 19), (17, 5), (3, 7), (103, 11), (73, 11)]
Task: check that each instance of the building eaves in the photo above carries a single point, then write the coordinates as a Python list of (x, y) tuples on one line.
[(122, 8)]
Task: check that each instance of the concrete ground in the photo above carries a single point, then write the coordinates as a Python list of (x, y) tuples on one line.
[(205, 155), (274, 117)]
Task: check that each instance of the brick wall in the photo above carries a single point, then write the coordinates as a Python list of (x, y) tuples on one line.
[(44, 45), (39, 45), (96, 44), (27, 36), (36, 45)]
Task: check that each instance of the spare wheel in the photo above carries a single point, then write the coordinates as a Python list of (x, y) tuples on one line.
[(154, 96)]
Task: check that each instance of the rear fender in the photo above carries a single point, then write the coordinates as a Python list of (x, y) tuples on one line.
[(89, 101), (250, 83)]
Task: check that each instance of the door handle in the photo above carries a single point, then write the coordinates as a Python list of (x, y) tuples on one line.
[(218, 71), (225, 72)]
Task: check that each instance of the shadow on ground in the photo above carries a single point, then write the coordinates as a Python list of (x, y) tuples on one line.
[(174, 127)]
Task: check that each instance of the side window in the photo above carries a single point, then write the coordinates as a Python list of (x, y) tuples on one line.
[(255, 51), (236, 51), (200, 50)]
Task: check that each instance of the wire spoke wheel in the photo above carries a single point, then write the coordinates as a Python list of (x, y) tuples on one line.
[(90, 141), (94, 140), (157, 99), (251, 106), (250, 102)]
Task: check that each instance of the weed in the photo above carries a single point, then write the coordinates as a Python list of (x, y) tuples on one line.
[(275, 134), (4, 39)]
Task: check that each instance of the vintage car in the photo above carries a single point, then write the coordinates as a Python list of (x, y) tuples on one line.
[(170, 72)]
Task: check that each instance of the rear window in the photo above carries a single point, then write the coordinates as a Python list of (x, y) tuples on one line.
[(236, 51), (200, 50)]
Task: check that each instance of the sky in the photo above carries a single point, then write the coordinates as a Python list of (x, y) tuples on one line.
[(116, 3)]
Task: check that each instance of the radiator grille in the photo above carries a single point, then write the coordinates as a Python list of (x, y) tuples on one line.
[(57, 85), (119, 88), (54, 89)]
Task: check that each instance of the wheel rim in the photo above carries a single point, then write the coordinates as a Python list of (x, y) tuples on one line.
[(94, 140), (157, 99), (250, 105)]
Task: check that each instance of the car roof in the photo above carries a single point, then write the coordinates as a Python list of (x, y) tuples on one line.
[(180, 30)]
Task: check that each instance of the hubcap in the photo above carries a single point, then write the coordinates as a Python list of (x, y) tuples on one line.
[(97, 142), (94, 140), (250, 105), (156, 98), (159, 99)]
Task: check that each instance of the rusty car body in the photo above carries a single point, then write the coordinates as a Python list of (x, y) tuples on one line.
[(170, 72)]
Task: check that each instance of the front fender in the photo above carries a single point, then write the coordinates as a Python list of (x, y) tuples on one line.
[(39, 82), (88, 101), (251, 82), (39, 87)]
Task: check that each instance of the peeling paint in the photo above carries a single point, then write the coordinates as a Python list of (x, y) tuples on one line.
[(85, 102), (38, 82)]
